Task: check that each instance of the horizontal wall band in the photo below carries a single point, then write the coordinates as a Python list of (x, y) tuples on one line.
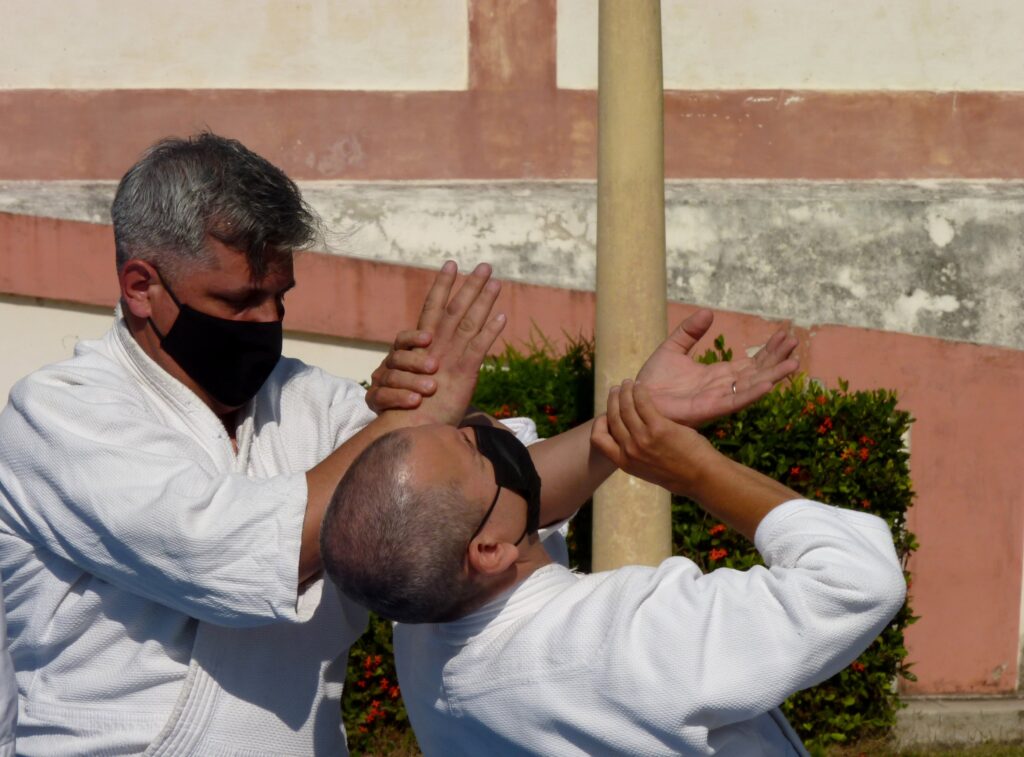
[(537, 133)]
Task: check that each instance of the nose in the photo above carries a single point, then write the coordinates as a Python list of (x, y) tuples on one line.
[(269, 310)]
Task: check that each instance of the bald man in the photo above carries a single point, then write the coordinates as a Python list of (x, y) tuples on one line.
[(501, 651)]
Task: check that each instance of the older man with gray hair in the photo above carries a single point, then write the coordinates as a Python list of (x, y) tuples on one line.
[(501, 651)]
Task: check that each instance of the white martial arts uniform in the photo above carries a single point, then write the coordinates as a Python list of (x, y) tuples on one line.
[(151, 573), (656, 661), (8, 691)]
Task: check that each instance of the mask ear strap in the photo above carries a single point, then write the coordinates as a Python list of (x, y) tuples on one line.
[(174, 299), (170, 291), (487, 515)]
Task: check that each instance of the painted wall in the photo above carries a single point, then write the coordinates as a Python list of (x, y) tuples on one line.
[(856, 165), (817, 44), (254, 44)]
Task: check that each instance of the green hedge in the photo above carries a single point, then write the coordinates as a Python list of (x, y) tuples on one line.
[(845, 448)]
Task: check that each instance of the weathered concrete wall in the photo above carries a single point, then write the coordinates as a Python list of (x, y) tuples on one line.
[(934, 259), (290, 44), (817, 44)]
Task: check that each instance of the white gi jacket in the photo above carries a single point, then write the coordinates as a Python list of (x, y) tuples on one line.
[(8, 691), (151, 574), (656, 661)]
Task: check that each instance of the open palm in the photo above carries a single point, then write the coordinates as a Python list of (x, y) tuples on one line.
[(694, 393)]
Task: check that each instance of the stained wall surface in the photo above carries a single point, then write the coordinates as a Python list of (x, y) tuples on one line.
[(856, 168)]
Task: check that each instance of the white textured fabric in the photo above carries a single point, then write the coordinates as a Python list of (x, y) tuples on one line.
[(151, 573), (8, 691), (656, 661)]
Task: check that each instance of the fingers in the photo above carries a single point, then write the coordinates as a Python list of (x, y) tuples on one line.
[(410, 362), (778, 348), (749, 395), (616, 426), (437, 298), (603, 441), (386, 398), (645, 407), (627, 409), (411, 339), (689, 332), (475, 319), (459, 306), (409, 381), (478, 346)]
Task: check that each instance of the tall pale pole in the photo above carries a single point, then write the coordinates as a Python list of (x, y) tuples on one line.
[(632, 519)]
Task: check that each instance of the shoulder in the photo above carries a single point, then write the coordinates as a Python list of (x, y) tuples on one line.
[(295, 377), (298, 392), (92, 376)]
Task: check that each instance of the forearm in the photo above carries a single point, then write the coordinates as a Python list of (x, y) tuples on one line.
[(322, 480), (570, 470), (731, 492)]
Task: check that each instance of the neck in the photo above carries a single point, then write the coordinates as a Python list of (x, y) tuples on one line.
[(532, 557), (145, 336)]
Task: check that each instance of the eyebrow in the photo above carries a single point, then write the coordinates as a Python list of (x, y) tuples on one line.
[(250, 291)]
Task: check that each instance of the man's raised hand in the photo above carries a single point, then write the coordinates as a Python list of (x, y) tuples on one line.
[(635, 436), (693, 393), (462, 330)]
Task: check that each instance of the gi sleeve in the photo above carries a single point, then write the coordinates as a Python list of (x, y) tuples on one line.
[(723, 647), (89, 472)]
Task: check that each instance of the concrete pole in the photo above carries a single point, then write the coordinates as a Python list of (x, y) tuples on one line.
[(632, 519)]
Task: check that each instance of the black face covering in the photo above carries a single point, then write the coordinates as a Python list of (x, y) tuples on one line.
[(229, 359), (513, 469)]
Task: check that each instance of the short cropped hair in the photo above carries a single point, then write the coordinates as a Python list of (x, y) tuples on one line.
[(184, 190), (396, 550)]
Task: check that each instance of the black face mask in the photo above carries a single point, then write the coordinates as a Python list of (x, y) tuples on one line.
[(229, 359), (513, 469)]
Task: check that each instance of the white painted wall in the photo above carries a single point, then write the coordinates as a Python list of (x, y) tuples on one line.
[(817, 44), (34, 333), (200, 44)]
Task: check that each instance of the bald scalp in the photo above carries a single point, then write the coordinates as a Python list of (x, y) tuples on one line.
[(392, 546)]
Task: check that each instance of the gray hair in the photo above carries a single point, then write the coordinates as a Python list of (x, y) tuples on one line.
[(185, 190), (392, 548)]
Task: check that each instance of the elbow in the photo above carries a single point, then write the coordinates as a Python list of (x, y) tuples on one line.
[(883, 592), (892, 592)]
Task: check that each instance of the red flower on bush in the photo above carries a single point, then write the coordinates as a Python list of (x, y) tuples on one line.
[(795, 470), (716, 529), (720, 433), (857, 667), (717, 554), (863, 454), (822, 399), (865, 503)]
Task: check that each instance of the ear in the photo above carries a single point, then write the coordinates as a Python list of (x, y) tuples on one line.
[(491, 558), (136, 278)]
